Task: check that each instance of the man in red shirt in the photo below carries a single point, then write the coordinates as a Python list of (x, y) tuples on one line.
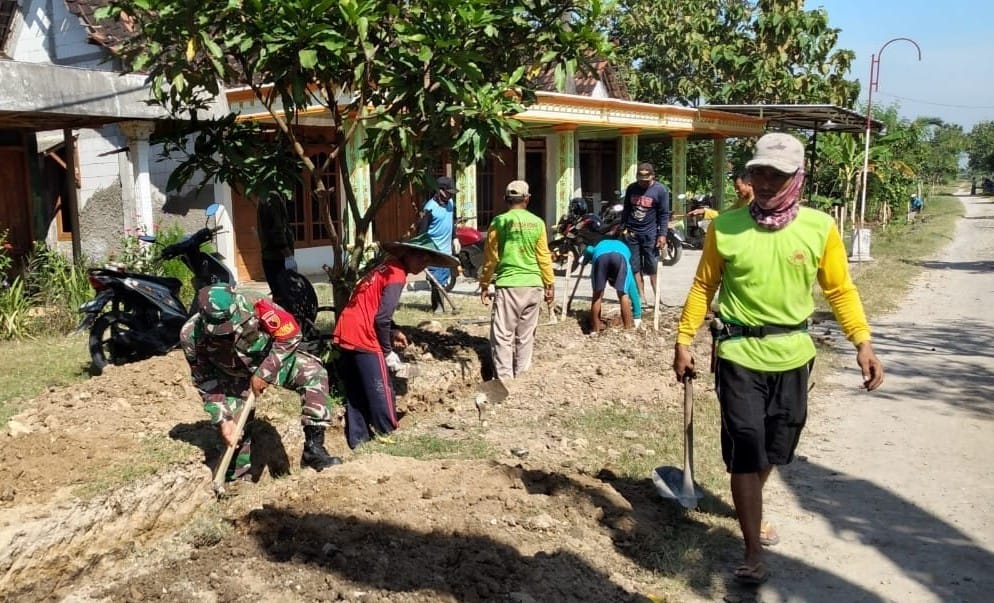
[(366, 339)]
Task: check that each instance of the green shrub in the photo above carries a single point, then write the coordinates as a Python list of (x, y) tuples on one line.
[(15, 311), (58, 286)]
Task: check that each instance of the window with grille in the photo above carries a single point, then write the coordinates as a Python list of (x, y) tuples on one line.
[(305, 215)]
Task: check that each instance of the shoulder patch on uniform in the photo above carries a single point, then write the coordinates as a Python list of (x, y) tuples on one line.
[(275, 320)]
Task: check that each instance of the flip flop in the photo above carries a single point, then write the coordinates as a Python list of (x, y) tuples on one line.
[(768, 534), (751, 575)]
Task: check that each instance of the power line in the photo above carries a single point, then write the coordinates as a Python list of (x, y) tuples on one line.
[(915, 100)]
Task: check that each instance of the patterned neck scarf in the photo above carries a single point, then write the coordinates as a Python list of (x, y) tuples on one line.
[(785, 205)]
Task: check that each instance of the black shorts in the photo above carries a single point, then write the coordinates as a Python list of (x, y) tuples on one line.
[(644, 253), (762, 415), (609, 268)]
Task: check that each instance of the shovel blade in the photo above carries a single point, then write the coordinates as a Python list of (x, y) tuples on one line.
[(494, 389), (671, 482)]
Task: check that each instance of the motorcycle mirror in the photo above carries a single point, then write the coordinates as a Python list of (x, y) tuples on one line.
[(146, 238), (212, 209), (682, 196)]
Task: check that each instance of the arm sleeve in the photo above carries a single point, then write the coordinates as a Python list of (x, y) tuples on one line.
[(490, 257), (384, 315), (544, 258), (710, 214), (840, 291), (663, 213), (424, 222), (706, 282)]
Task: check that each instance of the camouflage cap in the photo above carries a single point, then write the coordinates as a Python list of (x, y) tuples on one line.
[(222, 309)]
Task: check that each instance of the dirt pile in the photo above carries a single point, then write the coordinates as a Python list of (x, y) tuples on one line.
[(523, 518)]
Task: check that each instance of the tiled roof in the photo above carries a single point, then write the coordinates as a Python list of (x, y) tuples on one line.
[(106, 33)]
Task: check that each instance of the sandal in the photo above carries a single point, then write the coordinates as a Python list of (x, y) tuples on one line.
[(752, 575), (768, 534)]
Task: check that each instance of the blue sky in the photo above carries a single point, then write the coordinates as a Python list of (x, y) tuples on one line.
[(954, 79)]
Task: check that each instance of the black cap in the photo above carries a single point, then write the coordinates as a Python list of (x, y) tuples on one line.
[(447, 184)]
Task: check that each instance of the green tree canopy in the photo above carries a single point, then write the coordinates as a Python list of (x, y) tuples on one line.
[(981, 147), (732, 51), (421, 78)]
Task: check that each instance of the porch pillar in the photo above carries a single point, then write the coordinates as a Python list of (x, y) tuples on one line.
[(679, 184), (138, 133), (466, 198), (361, 185), (629, 157), (718, 173), (72, 198), (566, 164)]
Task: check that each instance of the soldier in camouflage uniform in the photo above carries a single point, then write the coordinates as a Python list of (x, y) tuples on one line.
[(233, 346)]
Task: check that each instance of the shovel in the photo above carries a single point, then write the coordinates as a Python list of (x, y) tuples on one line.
[(655, 293), (672, 482), (489, 392), (222, 466)]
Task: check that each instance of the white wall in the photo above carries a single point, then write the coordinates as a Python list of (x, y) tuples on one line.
[(29, 40)]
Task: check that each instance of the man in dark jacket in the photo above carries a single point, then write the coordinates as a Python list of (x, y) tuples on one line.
[(646, 216), (276, 238)]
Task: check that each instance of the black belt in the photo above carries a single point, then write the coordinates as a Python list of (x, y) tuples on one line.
[(722, 330)]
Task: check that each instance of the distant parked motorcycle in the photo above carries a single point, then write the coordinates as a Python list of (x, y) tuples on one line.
[(470, 253), (565, 243), (135, 316), (694, 227)]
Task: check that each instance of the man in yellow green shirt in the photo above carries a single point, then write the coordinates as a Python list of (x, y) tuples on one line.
[(517, 256), (766, 257)]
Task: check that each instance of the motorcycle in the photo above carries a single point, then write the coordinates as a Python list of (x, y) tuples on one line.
[(674, 247), (566, 243), (470, 252), (135, 316), (694, 227)]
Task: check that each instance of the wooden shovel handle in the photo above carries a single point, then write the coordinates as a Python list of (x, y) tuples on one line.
[(222, 467)]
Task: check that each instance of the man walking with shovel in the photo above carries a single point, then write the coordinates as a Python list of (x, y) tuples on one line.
[(766, 257)]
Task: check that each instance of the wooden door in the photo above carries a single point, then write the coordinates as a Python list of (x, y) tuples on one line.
[(15, 201), (248, 250)]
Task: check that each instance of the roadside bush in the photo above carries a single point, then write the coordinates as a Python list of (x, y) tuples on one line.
[(58, 287), (15, 311)]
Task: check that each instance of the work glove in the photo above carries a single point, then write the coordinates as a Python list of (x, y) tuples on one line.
[(393, 361), (290, 263)]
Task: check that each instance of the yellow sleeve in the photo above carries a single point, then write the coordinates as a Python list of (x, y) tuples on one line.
[(706, 282), (544, 258), (840, 291), (490, 258), (710, 214)]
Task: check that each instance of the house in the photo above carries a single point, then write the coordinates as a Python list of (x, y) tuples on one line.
[(585, 140), (76, 167)]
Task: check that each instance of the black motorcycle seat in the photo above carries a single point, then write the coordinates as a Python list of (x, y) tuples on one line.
[(173, 284)]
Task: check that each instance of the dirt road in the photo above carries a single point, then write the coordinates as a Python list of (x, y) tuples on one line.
[(893, 499)]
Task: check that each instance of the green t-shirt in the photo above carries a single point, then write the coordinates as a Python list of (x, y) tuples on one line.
[(520, 234), (768, 279)]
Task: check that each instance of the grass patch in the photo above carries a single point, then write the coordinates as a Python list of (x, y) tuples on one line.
[(427, 447), (208, 528), (32, 366)]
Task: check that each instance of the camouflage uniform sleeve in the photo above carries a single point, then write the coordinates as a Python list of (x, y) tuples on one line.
[(280, 326), (204, 374)]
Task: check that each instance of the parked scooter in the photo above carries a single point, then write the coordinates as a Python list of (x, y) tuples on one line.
[(135, 316), (470, 252), (565, 243), (694, 227)]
